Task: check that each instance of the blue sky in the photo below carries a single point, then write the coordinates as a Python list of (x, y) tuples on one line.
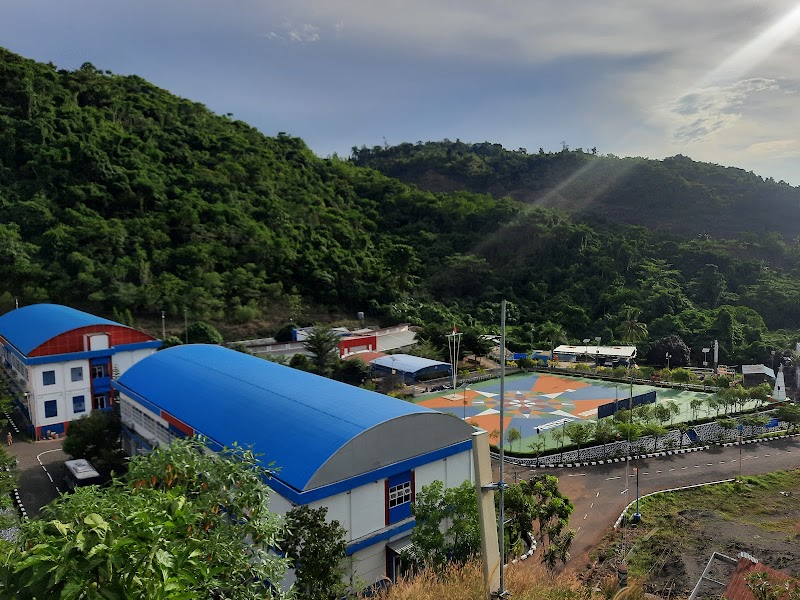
[(716, 80)]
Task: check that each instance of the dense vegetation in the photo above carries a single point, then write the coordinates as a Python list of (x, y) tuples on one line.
[(116, 195)]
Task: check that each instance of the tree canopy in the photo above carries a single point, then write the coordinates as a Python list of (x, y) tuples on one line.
[(183, 523)]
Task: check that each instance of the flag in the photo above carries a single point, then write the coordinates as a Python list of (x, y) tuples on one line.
[(454, 328)]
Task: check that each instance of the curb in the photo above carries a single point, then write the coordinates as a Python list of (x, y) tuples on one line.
[(11, 423), (677, 489), (756, 441), (607, 461)]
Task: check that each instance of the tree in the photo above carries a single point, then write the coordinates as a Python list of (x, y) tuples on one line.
[(674, 410), (579, 433), (695, 404), (353, 371), (674, 346), (317, 551), (512, 435), (183, 523), (447, 526), (96, 437), (558, 437), (788, 413), (604, 432), (631, 330), (322, 342), (655, 431), (200, 332), (552, 332), (725, 426), (551, 511), (661, 412)]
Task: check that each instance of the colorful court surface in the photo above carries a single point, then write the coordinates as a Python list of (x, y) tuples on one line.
[(532, 400)]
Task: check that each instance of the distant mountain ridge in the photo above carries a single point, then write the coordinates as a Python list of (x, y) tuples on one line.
[(676, 194)]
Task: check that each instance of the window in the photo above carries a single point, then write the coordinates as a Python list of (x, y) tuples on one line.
[(98, 371), (48, 377), (400, 494), (50, 408), (77, 373), (99, 402), (78, 404)]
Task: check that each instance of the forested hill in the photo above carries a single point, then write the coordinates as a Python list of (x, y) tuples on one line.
[(675, 194), (116, 195)]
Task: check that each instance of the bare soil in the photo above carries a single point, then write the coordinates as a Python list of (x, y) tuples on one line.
[(670, 554)]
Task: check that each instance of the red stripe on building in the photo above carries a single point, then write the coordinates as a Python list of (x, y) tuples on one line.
[(180, 425), (73, 341)]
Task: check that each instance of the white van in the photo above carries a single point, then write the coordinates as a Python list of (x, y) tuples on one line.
[(78, 473)]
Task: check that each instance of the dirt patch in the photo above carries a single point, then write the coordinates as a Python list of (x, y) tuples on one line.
[(670, 549)]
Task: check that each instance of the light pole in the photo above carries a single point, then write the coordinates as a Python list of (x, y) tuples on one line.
[(636, 516), (464, 398), (597, 360), (705, 356), (586, 348), (772, 353), (668, 357)]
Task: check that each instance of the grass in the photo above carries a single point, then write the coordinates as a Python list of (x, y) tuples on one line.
[(667, 531), (526, 581)]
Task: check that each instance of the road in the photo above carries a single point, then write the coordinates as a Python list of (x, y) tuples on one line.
[(600, 493)]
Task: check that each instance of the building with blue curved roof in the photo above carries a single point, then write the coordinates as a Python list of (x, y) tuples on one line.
[(361, 454), (62, 360), (410, 368)]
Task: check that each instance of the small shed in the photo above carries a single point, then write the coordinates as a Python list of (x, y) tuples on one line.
[(410, 368), (754, 375)]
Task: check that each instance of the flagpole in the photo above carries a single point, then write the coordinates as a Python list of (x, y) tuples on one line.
[(454, 344)]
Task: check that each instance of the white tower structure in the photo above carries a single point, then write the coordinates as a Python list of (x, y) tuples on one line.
[(779, 393)]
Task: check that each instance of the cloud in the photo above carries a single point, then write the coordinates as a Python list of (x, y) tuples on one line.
[(700, 113), (302, 33), (775, 148)]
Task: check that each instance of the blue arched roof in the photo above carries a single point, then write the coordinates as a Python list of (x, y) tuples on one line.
[(31, 326), (316, 430), (407, 363)]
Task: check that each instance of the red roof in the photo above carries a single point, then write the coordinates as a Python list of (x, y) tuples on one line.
[(737, 585), (366, 356)]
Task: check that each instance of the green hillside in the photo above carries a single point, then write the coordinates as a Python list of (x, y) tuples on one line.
[(675, 194), (116, 195)]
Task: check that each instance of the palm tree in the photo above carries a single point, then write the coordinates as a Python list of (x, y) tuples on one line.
[(552, 332), (631, 330)]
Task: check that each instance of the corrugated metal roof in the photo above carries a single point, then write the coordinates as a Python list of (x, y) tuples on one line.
[(297, 419), (737, 585), (407, 363), (621, 351), (758, 370), (31, 326)]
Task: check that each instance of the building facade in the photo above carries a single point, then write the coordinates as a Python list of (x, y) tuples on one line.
[(362, 455), (62, 361)]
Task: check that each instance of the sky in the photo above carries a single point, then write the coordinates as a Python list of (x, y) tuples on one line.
[(716, 80)]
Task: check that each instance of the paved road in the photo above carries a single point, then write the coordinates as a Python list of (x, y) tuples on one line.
[(600, 493), (39, 469)]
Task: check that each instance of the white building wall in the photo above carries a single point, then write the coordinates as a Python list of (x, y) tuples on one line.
[(452, 471), (367, 509), (122, 361), (369, 564)]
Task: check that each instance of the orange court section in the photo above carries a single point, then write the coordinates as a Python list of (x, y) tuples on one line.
[(548, 384)]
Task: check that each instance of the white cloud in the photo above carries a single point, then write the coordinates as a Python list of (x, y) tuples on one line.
[(300, 33), (701, 113)]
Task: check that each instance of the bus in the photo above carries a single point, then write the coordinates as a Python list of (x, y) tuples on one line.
[(78, 473)]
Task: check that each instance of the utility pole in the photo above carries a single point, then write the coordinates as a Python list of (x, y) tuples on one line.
[(163, 325)]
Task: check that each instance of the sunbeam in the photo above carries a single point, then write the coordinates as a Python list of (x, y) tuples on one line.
[(756, 50)]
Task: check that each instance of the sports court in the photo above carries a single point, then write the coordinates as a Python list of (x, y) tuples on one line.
[(532, 400)]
